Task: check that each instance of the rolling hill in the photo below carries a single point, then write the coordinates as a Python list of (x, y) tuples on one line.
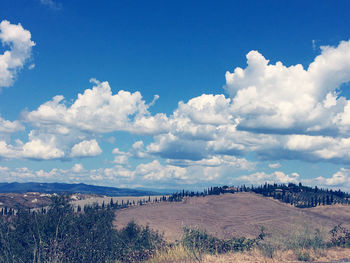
[(228, 215)]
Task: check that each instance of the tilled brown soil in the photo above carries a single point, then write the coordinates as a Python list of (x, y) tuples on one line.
[(225, 216)]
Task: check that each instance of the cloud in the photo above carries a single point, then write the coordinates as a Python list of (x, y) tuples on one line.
[(338, 179), (176, 173), (77, 168), (51, 4), (275, 177), (98, 110), (275, 111), (10, 127), (20, 48), (46, 145), (155, 171), (33, 149), (274, 165), (216, 161), (273, 98), (86, 148), (116, 175), (37, 149), (120, 158)]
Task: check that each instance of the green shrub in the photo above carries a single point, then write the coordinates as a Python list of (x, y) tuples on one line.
[(303, 255), (199, 242), (61, 235), (306, 239), (340, 236), (136, 243)]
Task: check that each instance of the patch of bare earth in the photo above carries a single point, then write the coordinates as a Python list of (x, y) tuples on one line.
[(228, 215)]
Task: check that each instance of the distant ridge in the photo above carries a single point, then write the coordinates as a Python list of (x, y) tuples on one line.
[(61, 188)]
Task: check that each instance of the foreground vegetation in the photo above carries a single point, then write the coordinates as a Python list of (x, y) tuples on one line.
[(301, 245), (61, 234)]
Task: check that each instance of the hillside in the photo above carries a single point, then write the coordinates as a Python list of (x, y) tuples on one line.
[(227, 215)]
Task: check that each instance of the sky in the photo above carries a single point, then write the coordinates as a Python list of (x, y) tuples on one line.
[(175, 94)]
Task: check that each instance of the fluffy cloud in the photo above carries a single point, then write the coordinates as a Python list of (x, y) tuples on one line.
[(76, 174), (33, 149), (339, 179), (218, 169), (275, 177), (98, 110), (10, 127), (120, 158), (47, 145), (274, 165), (275, 111), (287, 100), (216, 161), (86, 148), (20, 47), (155, 171), (77, 168), (37, 149)]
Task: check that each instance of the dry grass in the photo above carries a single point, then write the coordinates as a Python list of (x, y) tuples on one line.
[(175, 254), (179, 254), (302, 244), (229, 215), (294, 235), (90, 200)]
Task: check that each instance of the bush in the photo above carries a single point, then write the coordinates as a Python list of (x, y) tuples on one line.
[(307, 239), (136, 243), (199, 242), (303, 255), (340, 236), (61, 235)]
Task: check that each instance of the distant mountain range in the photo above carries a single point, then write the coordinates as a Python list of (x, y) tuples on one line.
[(61, 188)]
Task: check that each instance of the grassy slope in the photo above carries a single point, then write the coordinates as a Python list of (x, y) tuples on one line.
[(180, 255), (228, 215)]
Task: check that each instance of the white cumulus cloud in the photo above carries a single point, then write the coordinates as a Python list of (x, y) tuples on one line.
[(10, 126), (98, 110), (273, 98), (275, 177), (19, 42), (86, 148), (338, 179)]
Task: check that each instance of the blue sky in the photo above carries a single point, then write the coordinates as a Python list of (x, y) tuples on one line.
[(175, 94)]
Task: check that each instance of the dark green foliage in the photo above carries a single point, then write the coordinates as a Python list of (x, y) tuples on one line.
[(301, 196), (137, 243), (61, 235), (303, 255), (199, 242), (340, 236), (216, 190)]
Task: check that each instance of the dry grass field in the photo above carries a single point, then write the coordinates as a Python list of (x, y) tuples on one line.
[(180, 255), (90, 200), (225, 216), (241, 214)]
